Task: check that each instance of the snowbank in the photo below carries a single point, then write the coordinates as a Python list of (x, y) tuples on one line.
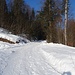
[(13, 38)]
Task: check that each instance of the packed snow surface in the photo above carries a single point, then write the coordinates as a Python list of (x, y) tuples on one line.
[(36, 58)]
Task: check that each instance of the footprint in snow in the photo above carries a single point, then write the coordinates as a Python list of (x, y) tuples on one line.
[(13, 51), (66, 73)]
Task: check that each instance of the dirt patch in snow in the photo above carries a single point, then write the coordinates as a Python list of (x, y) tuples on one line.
[(5, 40)]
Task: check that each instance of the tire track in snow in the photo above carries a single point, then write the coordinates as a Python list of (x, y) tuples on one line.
[(5, 55), (46, 56), (15, 66), (17, 58), (3, 62)]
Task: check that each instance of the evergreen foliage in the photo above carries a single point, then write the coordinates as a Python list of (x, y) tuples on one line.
[(48, 15)]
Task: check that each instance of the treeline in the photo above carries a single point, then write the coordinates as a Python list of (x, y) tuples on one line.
[(48, 23), (16, 16), (52, 21)]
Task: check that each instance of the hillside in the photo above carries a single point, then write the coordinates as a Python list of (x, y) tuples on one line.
[(6, 36)]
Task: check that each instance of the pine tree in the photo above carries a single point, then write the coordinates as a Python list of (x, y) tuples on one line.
[(49, 14), (3, 12), (17, 10), (32, 14)]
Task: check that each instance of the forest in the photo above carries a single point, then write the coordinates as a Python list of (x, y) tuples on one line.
[(52, 23)]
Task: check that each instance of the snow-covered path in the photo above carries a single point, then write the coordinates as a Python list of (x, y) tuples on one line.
[(38, 59), (26, 60)]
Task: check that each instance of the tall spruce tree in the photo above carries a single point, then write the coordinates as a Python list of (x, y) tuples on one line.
[(17, 10), (3, 13), (48, 14), (31, 23)]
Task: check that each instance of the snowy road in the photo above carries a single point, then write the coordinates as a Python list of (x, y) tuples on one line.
[(38, 59)]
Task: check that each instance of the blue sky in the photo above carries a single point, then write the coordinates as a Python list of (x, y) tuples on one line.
[(36, 4), (72, 5)]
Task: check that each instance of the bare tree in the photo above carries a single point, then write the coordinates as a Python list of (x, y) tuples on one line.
[(66, 21)]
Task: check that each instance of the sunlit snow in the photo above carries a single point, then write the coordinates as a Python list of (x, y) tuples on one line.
[(36, 58)]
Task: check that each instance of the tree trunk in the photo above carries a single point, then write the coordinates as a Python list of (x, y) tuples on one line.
[(49, 34), (66, 21)]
